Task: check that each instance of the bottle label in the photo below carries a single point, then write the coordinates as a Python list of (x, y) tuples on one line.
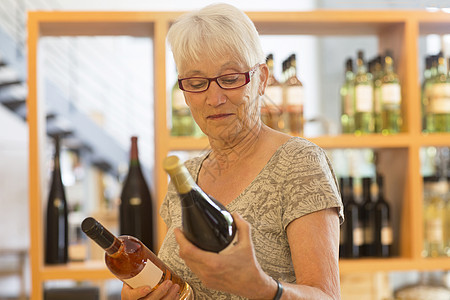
[(386, 235), (358, 236), (368, 235), (364, 98), (150, 275), (295, 95), (440, 99), (273, 96), (348, 105), (231, 245), (391, 93), (434, 231), (135, 201)]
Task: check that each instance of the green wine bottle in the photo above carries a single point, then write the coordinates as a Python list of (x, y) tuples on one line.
[(391, 98), (364, 122)]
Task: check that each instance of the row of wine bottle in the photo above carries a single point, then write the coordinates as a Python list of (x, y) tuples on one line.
[(436, 94), (367, 229), (371, 96), (135, 211), (436, 199), (205, 222), (283, 104)]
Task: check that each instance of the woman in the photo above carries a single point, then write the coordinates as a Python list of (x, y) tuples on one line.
[(280, 189)]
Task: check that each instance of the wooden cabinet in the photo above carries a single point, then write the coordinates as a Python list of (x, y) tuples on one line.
[(397, 30)]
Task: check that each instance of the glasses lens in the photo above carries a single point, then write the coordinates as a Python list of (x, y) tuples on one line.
[(194, 84), (232, 81)]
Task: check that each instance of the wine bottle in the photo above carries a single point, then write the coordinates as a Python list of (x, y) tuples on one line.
[(136, 207), (425, 90), (182, 122), (367, 218), (383, 228), (272, 109), (439, 110), (377, 73), (57, 227), (294, 99), (391, 98), (342, 237), (347, 92), (364, 122), (434, 217), (354, 232), (131, 261), (205, 221)]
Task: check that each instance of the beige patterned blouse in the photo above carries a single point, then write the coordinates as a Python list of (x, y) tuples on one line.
[(297, 180)]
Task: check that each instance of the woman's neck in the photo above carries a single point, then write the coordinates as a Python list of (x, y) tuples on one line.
[(227, 153)]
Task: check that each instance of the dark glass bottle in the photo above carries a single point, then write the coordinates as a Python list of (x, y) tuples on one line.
[(354, 231), (367, 218), (56, 239), (383, 229), (131, 261), (136, 207), (205, 221), (342, 238)]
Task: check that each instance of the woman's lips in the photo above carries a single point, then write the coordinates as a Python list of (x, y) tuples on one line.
[(218, 116)]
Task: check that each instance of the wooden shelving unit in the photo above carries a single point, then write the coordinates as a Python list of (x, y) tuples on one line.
[(397, 30)]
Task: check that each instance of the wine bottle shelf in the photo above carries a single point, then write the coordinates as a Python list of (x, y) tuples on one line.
[(88, 270)]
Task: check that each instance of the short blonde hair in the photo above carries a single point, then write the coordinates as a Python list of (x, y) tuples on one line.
[(215, 31)]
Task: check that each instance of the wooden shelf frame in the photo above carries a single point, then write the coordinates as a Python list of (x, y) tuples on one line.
[(398, 30)]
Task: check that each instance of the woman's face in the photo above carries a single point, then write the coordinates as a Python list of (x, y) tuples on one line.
[(223, 114)]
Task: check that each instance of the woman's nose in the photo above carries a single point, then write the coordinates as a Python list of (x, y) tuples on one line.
[(215, 95)]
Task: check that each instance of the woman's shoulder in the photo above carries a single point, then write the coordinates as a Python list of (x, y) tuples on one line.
[(297, 147)]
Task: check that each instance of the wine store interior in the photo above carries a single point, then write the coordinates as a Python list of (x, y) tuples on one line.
[(90, 107)]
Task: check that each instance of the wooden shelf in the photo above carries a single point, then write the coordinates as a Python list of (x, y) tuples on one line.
[(397, 30)]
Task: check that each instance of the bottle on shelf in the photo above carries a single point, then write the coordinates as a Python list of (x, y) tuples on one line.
[(294, 98), (205, 221), (272, 109), (183, 123), (383, 227), (131, 261), (391, 98), (367, 218), (354, 231), (136, 206), (434, 216), (364, 121), (342, 237), (425, 90), (377, 72), (347, 93), (57, 225), (438, 112)]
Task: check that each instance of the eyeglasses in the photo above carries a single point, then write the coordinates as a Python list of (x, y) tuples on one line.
[(227, 82)]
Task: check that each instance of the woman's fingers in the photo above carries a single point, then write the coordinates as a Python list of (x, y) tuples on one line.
[(133, 294), (167, 291)]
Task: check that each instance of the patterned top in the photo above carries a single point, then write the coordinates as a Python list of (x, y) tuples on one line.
[(297, 180)]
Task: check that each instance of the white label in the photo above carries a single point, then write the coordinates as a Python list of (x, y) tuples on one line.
[(440, 98), (274, 95), (231, 245), (368, 235), (391, 93), (150, 275), (434, 231), (295, 95), (386, 235), (178, 101), (358, 236), (364, 98)]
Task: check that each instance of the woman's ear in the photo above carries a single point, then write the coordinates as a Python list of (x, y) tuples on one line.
[(263, 77)]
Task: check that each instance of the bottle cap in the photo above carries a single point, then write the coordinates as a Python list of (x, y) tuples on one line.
[(97, 232)]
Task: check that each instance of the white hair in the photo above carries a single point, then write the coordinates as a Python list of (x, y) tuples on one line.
[(215, 31)]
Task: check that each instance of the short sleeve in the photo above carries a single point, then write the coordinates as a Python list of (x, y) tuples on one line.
[(310, 184)]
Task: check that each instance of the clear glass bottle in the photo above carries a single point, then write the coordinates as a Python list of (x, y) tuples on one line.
[(377, 72), (391, 98), (182, 122), (439, 106), (347, 93), (294, 93), (425, 90), (364, 121), (272, 108)]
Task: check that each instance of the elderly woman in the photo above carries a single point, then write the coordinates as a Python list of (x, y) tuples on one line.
[(280, 189)]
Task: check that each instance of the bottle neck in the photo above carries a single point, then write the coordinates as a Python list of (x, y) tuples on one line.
[(134, 153), (102, 236), (179, 175)]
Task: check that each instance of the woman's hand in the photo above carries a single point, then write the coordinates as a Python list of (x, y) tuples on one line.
[(235, 270), (167, 291)]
